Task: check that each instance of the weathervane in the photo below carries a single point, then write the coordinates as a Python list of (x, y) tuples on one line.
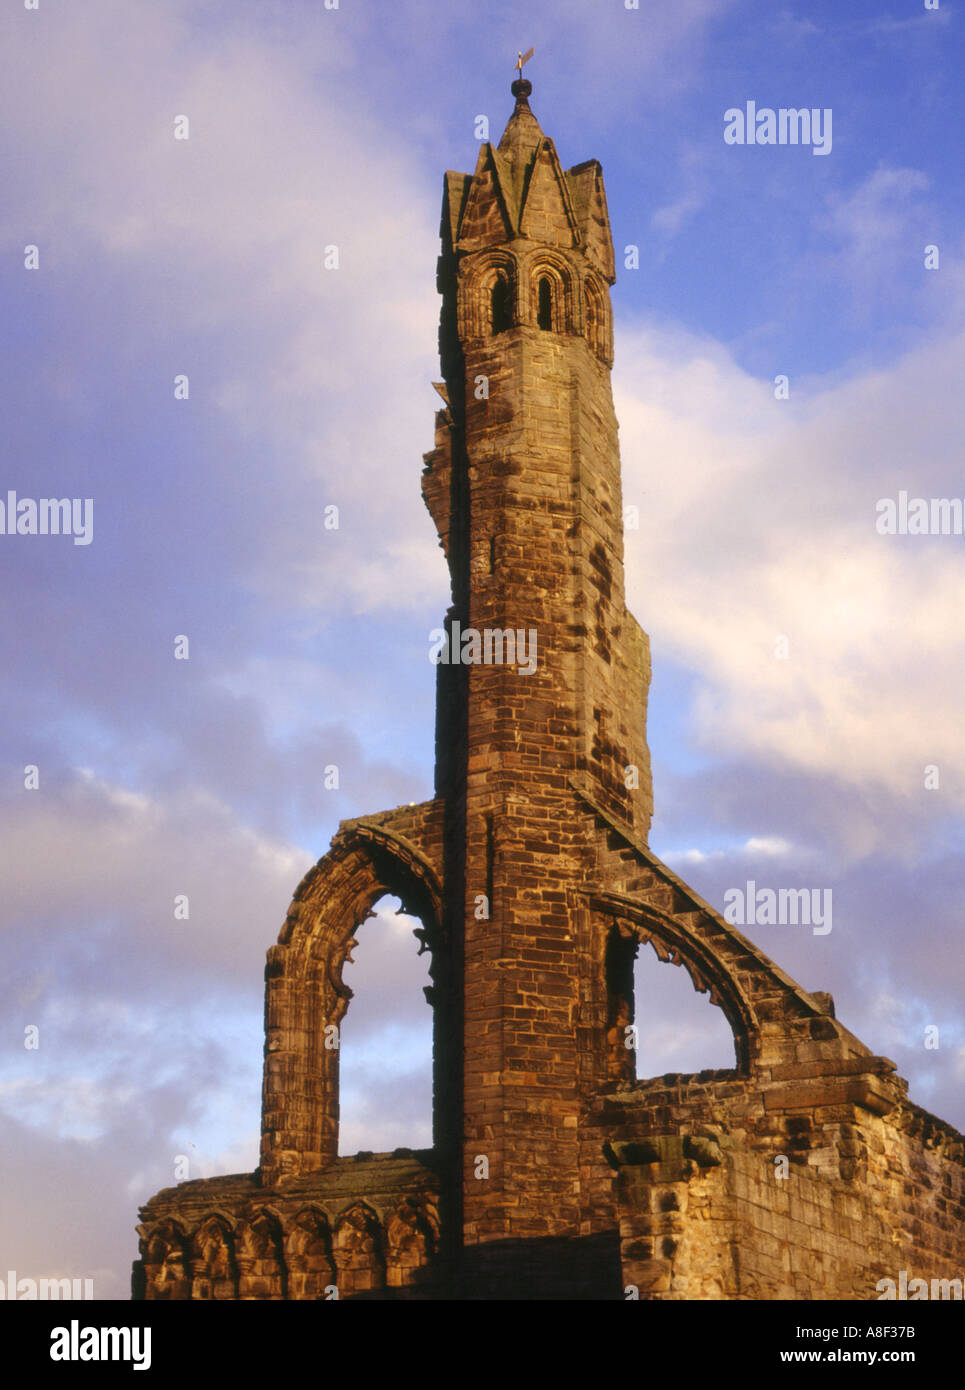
[(522, 58)]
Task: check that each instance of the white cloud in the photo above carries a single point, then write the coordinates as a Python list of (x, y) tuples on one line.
[(878, 226), (217, 246), (756, 847), (758, 521), (88, 852), (692, 856), (769, 846)]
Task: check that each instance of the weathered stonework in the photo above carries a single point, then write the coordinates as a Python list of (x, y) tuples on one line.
[(535, 886), (231, 1238)]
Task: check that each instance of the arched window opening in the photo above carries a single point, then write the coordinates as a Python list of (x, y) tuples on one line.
[(385, 1039), (675, 1028), (544, 315), (501, 315)]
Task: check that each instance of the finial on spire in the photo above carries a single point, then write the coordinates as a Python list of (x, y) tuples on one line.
[(521, 88)]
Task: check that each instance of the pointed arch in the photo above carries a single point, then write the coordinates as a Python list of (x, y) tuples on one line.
[(166, 1262), (358, 1247), (308, 1253), (700, 1040), (544, 303), (214, 1270), (412, 1240), (260, 1255)]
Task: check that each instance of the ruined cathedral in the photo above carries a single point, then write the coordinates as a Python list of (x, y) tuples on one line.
[(802, 1172)]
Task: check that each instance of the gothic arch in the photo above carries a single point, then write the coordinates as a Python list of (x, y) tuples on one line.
[(214, 1270), (501, 304), (306, 997), (308, 1252), (166, 1264), (358, 1248), (412, 1239), (260, 1255)]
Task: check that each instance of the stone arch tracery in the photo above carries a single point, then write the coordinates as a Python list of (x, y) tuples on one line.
[(559, 307)]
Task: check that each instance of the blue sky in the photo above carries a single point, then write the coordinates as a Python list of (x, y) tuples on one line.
[(311, 388)]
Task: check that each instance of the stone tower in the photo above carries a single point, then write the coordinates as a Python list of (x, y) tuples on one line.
[(553, 1171)]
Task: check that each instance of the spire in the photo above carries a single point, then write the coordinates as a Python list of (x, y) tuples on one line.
[(522, 135)]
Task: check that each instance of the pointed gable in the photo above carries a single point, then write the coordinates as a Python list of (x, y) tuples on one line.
[(585, 182), (455, 192), (548, 213), (487, 218)]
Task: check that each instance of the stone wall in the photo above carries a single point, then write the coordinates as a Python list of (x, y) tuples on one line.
[(735, 1188)]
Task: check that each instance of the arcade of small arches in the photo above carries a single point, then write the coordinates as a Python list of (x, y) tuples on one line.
[(502, 291), (304, 1254)]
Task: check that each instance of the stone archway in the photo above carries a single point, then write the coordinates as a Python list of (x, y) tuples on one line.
[(306, 997)]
